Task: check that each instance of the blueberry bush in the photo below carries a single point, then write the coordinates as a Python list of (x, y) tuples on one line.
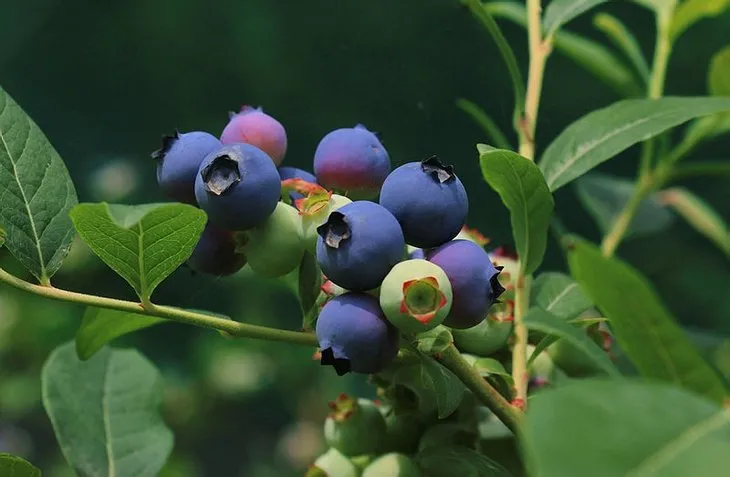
[(484, 363)]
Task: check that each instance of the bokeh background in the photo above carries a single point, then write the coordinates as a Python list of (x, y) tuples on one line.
[(105, 80)]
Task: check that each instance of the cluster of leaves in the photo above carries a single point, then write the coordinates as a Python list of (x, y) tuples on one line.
[(103, 402)]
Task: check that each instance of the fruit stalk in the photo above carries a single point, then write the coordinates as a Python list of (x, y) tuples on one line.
[(231, 327), (519, 352), (490, 397)]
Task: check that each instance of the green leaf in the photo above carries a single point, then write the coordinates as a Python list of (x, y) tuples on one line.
[(560, 12), (624, 40), (12, 466), (105, 412), (718, 76), (590, 55), (662, 7), (437, 388), (699, 215), (604, 197), (3, 236), (37, 193), (645, 330), (462, 461), (488, 125), (541, 320), (520, 184), (690, 12), (610, 428), (434, 341), (99, 326), (604, 133), (559, 294), (489, 367), (144, 244)]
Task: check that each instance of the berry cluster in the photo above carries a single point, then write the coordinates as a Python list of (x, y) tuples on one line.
[(395, 267)]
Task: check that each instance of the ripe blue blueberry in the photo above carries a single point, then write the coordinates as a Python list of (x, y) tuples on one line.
[(296, 173), (179, 160), (474, 281), (237, 186), (354, 335), (428, 200), (215, 253), (352, 161), (253, 126), (358, 245)]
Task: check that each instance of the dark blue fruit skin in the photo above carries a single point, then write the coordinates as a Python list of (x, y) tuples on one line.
[(247, 203), (430, 212), (179, 161), (296, 173), (470, 272), (215, 253), (353, 161), (353, 326), (375, 245)]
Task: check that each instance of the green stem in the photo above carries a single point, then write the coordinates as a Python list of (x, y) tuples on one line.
[(699, 169), (492, 129), (487, 395), (233, 328), (623, 220), (486, 19), (662, 52)]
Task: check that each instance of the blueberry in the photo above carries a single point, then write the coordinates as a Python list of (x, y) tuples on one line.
[(179, 160), (428, 200), (275, 247), (296, 173), (358, 245), (215, 253), (332, 463), (354, 426), (253, 126), (237, 186), (403, 429), (474, 281), (392, 465), (416, 296), (354, 335), (352, 161)]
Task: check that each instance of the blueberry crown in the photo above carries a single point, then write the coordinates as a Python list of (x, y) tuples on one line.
[(497, 288), (167, 142), (437, 170), (341, 365), (334, 230), (220, 175)]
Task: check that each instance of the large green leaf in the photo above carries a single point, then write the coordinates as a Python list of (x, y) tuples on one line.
[(453, 461), (100, 326), (541, 320), (559, 294), (560, 12), (438, 389), (700, 215), (590, 55), (604, 197), (718, 75), (520, 184), (690, 12), (611, 428), (604, 133), (12, 466), (143, 244), (105, 412), (643, 327), (36, 193)]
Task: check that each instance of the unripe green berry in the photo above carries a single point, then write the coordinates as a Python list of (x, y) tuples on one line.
[(355, 426), (332, 464), (392, 465), (416, 296), (314, 211), (403, 431), (485, 338), (275, 248)]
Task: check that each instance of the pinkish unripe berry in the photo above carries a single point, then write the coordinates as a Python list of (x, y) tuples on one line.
[(253, 126)]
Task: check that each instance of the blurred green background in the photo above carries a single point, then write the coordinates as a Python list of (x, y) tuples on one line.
[(104, 80)]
